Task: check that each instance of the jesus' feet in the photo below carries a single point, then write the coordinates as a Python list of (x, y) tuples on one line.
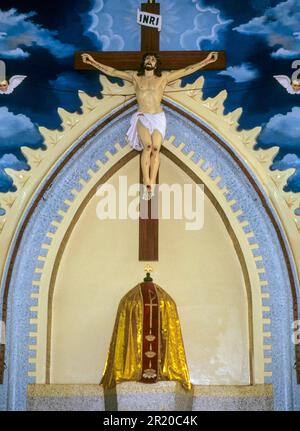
[(148, 193)]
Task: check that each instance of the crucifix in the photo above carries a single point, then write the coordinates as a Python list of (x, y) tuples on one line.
[(148, 125)]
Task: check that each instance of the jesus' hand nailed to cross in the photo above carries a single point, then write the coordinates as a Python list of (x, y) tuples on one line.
[(148, 124)]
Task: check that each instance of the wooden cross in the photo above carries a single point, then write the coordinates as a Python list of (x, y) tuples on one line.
[(131, 60)]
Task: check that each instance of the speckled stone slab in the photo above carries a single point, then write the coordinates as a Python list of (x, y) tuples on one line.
[(234, 398), (65, 398), (163, 396)]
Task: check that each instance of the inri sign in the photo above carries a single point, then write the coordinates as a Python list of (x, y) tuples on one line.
[(149, 19)]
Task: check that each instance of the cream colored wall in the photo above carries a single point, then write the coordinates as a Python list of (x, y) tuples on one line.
[(199, 269)]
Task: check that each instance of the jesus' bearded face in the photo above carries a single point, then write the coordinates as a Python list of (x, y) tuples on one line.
[(150, 62)]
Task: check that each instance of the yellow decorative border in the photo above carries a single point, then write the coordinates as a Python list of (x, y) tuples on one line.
[(209, 111)]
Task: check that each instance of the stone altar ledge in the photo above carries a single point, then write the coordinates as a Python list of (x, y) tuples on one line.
[(134, 396)]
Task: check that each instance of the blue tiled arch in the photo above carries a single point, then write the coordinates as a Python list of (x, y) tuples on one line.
[(13, 391)]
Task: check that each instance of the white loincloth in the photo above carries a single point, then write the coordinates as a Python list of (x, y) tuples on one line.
[(151, 122)]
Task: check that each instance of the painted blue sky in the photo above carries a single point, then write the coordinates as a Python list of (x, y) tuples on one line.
[(38, 39)]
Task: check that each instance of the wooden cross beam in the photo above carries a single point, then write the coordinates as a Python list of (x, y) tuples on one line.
[(129, 60)]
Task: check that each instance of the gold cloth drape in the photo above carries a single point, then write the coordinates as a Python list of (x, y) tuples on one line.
[(124, 360)]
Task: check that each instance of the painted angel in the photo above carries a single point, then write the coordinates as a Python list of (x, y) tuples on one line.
[(7, 87), (292, 87)]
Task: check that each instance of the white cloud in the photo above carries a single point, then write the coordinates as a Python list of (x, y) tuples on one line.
[(101, 27), (17, 130), (285, 53), (283, 130), (19, 31), (14, 53), (279, 26), (243, 73), (207, 24), (288, 161), (178, 31), (11, 161)]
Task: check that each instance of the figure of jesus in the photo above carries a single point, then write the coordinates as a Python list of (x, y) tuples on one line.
[(148, 125)]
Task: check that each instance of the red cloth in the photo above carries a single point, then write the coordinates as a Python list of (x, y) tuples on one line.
[(150, 333)]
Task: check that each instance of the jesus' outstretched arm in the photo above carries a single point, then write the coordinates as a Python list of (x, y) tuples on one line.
[(88, 59), (177, 74)]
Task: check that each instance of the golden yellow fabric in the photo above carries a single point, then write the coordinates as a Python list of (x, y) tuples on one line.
[(124, 360)]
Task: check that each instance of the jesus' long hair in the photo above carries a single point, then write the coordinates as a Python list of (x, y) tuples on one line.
[(157, 70)]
